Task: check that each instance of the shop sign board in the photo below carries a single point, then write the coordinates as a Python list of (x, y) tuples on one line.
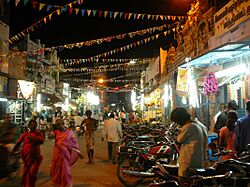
[(231, 15), (182, 79), (26, 89)]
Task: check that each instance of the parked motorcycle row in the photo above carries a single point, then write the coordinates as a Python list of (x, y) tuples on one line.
[(151, 159)]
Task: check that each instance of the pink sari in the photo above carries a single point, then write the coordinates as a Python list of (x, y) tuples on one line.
[(31, 155), (66, 153)]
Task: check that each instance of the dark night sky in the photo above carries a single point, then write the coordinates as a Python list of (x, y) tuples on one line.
[(65, 29)]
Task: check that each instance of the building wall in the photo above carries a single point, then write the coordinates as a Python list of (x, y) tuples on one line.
[(4, 47)]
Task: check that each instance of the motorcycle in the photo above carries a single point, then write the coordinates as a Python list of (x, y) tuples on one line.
[(225, 173), (139, 162), (167, 175)]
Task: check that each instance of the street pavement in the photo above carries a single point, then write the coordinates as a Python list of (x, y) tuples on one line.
[(100, 174)]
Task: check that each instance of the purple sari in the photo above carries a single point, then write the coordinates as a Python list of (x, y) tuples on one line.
[(66, 153)]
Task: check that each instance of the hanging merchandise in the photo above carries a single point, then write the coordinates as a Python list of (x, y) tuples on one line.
[(210, 85)]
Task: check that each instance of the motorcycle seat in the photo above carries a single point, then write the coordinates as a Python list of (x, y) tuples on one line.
[(204, 171), (247, 164)]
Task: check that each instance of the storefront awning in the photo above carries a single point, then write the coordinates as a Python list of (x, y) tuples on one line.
[(53, 98), (221, 55)]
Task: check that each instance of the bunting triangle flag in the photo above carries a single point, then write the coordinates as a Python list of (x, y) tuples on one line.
[(129, 15), (115, 14), (149, 16), (77, 10), (100, 13), (50, 16), (89, 12), (161, 18), (25, 2), (111, 14), (82, 11), (44, 19), (48, 7), (138, 16), (157, 17), (142, 17), (105, 13), (58, 11), (165, 33), (94, 12), (121, 13), (16, 2), (34, 5), (135, 15), (70, 5), (41, 6)]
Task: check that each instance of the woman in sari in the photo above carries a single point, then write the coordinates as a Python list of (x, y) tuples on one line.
[(66, 153), (31, 153)]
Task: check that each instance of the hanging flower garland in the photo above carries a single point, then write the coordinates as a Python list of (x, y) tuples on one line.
[(210, 85)]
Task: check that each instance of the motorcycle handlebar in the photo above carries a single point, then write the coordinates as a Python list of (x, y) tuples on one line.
[(223, 153)]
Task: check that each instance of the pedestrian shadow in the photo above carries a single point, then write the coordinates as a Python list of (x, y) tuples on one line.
[(103, 161)]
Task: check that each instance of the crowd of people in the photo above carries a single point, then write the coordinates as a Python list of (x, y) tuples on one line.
[(233, 135)]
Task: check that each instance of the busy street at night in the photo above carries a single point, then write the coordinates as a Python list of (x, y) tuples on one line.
[(135, 93)]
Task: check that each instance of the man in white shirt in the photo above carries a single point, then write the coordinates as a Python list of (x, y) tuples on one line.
[(113, 132)]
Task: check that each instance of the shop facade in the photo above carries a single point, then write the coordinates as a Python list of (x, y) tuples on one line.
[(218, 71)]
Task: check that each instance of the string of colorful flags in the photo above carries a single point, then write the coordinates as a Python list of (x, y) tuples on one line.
[(40, 51), (100, 13), (112, 14), (126, 63), (110, 81), (44, 20), (101, 70), (110, 38), (129, 46), (71, 77), (109, 89), (110, 60)]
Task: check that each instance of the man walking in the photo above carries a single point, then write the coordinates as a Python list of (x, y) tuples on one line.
[(90, 124), (113, 132), (193, 139), (222, 118), (243, 131)]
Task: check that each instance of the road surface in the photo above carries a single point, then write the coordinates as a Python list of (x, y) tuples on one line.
[(100, 174)]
